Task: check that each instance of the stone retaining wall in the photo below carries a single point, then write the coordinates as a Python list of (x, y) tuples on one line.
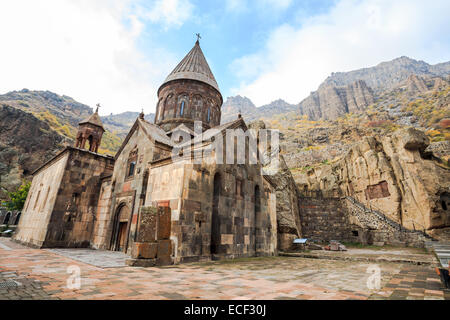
[(324, 219)]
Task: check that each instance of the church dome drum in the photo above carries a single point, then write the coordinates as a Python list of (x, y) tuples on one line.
[(190, 93)]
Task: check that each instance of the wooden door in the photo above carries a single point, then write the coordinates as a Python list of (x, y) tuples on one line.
[(122, 235)]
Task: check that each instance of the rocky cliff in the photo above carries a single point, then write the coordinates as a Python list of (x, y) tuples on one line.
[(63, 108), (388, 74), (25, 143), (330, 102), (235, 105), (393, 174)]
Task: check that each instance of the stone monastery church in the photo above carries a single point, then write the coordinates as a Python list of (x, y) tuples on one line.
[(157, 209)]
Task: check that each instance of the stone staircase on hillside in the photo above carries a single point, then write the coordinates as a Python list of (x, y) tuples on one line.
[(373, 216)]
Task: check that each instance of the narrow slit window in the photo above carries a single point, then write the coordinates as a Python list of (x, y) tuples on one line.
[(182, 108), (209, 114), (131, 169)]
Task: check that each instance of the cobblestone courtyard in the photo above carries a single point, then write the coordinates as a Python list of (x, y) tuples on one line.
[(43, 274)]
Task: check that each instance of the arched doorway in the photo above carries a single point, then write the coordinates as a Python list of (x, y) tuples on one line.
[(7, 217), (121, 228), (257, 207), (16, 222), (215, 221)]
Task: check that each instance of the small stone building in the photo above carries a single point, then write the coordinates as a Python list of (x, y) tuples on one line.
[(158, 208), (62, 202)]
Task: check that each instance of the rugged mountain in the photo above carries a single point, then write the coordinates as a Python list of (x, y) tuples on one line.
[(276, 107), (354, 91), (388, 74), (122, 122), (330, 102), (25, 143), (46, 103), (243, 105), (235, 105)]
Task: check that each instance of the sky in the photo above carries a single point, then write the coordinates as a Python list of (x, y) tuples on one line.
[(118, 52)]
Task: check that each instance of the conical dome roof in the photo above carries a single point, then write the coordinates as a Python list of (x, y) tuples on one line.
[(93, 119), (195, 67)]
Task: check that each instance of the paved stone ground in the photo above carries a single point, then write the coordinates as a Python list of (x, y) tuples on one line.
[(43, 274), (399, 255), (101, 258)]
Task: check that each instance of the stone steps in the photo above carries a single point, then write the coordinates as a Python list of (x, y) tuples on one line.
[(382, 217)]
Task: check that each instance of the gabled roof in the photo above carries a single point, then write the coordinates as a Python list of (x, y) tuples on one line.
[(93, 119), (155, 132), (181, 127), (195, 67), (208, 134), (152, 131)]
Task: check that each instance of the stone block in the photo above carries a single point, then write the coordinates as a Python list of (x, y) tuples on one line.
[(164, 261), (141, 262), (164, 248), (200, 216), (144, 250), (226, 239), (164, 223), (193, 206), (147, 224)]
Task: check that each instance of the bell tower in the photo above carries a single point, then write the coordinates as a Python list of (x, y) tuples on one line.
[(90, 131), (189, 93)]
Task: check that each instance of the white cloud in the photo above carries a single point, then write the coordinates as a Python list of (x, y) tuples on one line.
[(170, 12), (352, 35), (266, 6), (82, 48)]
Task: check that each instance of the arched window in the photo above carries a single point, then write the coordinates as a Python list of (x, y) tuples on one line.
[(131, 168), (6, 220), (90, 139), (16, 222), (144, 187), (209, 114), (131, 164), (182, 108)]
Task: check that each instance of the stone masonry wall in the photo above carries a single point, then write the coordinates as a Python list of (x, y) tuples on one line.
[(72, 219), (36, 213), (325, 219)]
